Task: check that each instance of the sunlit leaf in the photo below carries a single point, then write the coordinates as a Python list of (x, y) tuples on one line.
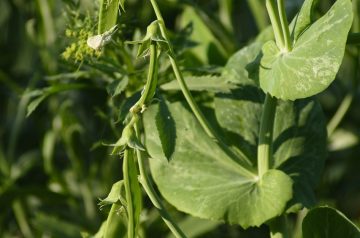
[(201, 83), (199, 182), (314, 60)]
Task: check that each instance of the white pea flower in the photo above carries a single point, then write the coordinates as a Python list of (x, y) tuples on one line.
[(98, 41)]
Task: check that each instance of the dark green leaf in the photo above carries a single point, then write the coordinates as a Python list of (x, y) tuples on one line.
[(326, 222), (166, 128), (35, 103), (117, 87)]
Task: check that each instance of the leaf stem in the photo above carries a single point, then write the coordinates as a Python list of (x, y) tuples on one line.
[(243, 160), (150, 191), (340, 113), (284, 25), (275, 22), (21, 219), (266, 134), (129, 200), (256, 7)]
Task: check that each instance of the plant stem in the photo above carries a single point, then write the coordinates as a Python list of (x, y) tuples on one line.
[(275, 22), (266, 134), (130, 211), (258, 13), (284, 25), (21, 219), (150, 191), (150, 86), (243, 160), (340, 113)]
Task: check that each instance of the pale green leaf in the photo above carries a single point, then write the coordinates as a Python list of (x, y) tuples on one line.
[(198, 180), (202, 83), (299, 129), (314, 60), (326, 222)]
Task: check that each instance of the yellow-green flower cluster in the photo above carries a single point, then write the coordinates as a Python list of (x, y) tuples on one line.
[(78, 50)]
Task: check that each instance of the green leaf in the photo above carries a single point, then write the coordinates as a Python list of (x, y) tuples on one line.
[(166, 128), (35, 103), (314, 60), (194, 227), (201, 83), (326, 222), (117, 87), (109, 10), (209, 49), (303, 19), (299, 129), (41, 95), (199, 182)]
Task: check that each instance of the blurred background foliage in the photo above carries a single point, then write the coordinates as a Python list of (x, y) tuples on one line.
[(61, 101)]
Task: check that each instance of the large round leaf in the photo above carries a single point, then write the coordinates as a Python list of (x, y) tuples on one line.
[(299, 129), (314, 60), (198, 180)]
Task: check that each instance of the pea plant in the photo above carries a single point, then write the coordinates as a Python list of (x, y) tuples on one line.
[(244, 145)]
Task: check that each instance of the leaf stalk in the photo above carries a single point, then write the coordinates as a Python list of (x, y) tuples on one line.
[(147, 184), (266, 134), (275, 22), (284, 25)]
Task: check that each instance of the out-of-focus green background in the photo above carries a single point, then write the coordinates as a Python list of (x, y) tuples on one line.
[(53, 164)]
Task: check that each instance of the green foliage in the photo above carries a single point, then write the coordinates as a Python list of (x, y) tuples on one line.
[(186, 109), (328, 222), (108, 14), (319, 50)]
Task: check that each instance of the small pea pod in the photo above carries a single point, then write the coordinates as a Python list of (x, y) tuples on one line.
[(151, 83)]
